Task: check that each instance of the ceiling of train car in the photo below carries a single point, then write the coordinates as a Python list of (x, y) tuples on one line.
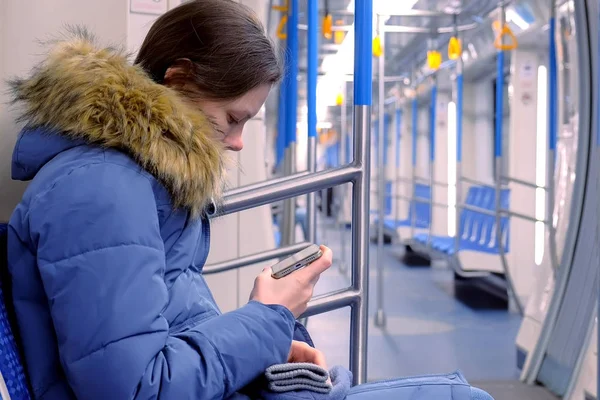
[(406, 52)]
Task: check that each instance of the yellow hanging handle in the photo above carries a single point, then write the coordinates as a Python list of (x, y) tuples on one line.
[(377, 48), (282, 8), (327, 25), (434, 59), (454, 48), (281, 32), (339, 99), (338, 36), (505, 31)]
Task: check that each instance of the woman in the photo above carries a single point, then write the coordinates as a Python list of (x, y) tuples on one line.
[(107, 246)]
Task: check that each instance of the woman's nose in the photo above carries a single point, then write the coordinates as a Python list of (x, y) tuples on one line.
[(234, 142)]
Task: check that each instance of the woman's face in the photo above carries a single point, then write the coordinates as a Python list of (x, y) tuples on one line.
[(231, 116)]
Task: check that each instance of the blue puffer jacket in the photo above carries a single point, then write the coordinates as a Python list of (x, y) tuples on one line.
[(107, 246)]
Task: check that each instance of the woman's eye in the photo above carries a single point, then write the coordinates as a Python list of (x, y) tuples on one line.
[(231, 120)]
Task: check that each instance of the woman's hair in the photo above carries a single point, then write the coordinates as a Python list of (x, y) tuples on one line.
[(229, 51)]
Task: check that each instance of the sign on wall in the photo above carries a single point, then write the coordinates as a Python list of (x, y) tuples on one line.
[(153, 7)]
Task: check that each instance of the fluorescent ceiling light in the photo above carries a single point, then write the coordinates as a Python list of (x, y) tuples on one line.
[(337, 66), (515, 18), (388, 7)]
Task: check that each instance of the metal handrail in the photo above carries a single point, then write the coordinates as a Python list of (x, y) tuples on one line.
[(476, 182), (404, 179), (498, 162), (524, 183), (426, 180), (357, 173), (501, 211), (381, 150), (332, 301), (255, 258), (266, 192)]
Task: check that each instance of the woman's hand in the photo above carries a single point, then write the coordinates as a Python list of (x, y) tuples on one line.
[(293, 291), (301, 352)]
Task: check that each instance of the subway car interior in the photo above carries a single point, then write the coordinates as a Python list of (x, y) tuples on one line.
[(447, 151)]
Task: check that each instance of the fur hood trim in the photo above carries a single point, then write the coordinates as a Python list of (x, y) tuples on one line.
[(93, 93)]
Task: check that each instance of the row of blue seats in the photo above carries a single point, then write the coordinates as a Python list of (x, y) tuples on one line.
[(477, 230), (420, 209)]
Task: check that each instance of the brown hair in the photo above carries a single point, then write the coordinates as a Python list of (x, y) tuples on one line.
[(229, 51)]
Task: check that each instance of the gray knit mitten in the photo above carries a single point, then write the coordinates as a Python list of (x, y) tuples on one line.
[(298, 376)]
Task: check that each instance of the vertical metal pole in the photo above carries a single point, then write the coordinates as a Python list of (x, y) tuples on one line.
[(312, 60), (596, 96), (292, 111), (344, 192), (363, 98), (288, 217), (459, 134), (498, 157), (432, 122), (381, 174), (281, 132), (281, 150), (283, 106), (311, 90), (552, 137), (415, 136), (396, 186)]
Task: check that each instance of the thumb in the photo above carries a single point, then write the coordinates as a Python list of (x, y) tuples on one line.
[(320, 265)]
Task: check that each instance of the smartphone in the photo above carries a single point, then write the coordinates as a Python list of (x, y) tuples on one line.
[(299, 260)]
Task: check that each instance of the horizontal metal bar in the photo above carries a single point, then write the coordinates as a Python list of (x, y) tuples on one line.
[(426, 180), (522, 216), (253, 258), (415, 29), (403, 197), (476, 182), (421, 13), (407, 13), (331, 301), (502, 211), (476, 209), (459, 28), (427, 201), (262, 193), (274, 181), (524, 183), (403, 179)]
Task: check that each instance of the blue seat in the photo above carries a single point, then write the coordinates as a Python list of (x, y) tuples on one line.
[(421, 210), (11, 367), (476, 231)]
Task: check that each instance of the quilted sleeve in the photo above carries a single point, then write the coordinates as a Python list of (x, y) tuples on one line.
[(101, 259)]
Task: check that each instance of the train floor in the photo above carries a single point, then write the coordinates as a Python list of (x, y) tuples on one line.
[(427, 329)]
